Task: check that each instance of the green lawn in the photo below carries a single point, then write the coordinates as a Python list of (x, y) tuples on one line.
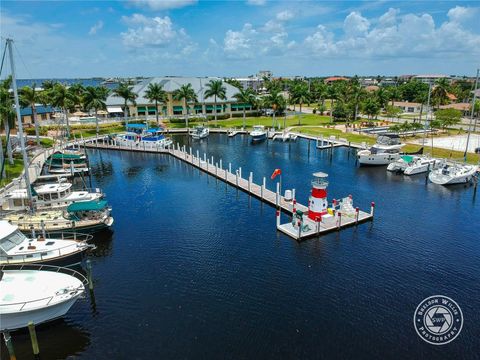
[(305, 119), (326, 132), (12, 171)]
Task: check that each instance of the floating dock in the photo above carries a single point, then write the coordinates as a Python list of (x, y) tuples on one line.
[(300, 228)]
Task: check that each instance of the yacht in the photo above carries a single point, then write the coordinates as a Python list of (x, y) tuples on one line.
[(385, 151), (401, 164), (200, 132), (16, 248), (453, 173), (38, 294), (67, 162), (86, 217), (258, 133), (48, 196), (140, 136)]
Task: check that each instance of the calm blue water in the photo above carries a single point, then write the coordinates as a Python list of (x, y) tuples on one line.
[(84, 82), (196, 269)]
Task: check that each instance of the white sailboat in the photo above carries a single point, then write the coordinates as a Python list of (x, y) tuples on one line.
[(453, 173), (40, 295)]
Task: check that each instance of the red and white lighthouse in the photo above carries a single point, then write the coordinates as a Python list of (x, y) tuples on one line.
[(318, 203)]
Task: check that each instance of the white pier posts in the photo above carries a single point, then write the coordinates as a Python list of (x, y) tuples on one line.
[(277, 200), (372, 208), (319, 220), (339, 220), (250, 180), (230, 168), (221, 164), (216, 169), (240, 172), (299, 229), (191, 157), (262, 188), (278, 218), (205, 158), (294, 202), (212, 160), (236, 177), (357, 212), (185, 152)]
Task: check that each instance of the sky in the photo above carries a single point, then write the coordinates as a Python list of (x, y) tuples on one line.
[(58, 39)]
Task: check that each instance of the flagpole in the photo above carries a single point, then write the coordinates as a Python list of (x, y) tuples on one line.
[(280, 185)]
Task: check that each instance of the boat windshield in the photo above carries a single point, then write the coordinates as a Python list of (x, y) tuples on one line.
[(12, 240)]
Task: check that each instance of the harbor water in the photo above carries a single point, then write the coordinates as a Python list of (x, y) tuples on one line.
[(195, 269)]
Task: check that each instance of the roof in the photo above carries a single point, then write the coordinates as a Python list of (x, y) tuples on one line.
[(6, 228), (431, 76), (87, 206), (172, 83), (136, 126), (40, 109), (372, 88), (405, 103), (320, 174), (65, 156), (457, 106), (335, 78)]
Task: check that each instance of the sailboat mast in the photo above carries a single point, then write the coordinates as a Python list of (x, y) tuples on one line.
[(471, 116), (428, 111), (20, 127)]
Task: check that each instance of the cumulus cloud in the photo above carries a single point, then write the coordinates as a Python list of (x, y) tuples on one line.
[(146, 31), (396, 35), (95, 28), (161, 4), (285, 15)]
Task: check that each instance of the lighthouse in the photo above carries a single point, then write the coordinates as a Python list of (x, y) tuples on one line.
[(318, 204)]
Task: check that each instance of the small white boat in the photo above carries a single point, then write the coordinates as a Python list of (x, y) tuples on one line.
[(200, 132), (40, 295), (385, 151), (16, 248), (453, 173), (422, 164), (48, 196), (258, 133)]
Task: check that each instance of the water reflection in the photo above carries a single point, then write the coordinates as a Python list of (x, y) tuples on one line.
[(58, 339)]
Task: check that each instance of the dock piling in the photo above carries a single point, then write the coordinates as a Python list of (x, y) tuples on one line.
[(263, 187), (240, 172), (221, 164), (277, 195), (339, 220), (278, 218), (250, 180), (372, 208), (89, 274), (236, 177), (33, 338), (357, 213), (230, 168), (9, 345)]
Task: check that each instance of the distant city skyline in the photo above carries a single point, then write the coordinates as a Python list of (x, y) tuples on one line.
[(69, 39)]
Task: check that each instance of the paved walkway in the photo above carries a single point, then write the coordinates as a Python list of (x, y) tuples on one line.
[(457, 142)]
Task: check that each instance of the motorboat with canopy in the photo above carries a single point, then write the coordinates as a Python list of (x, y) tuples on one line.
[(200, 132), (385, 151), (139, 135), (37, 294)]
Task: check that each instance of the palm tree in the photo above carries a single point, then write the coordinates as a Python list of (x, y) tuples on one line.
[(64, 99), (300, 96), (332, 95), (156, 94), (7, 118), (186, 94), (217, 90), (440, 91), (393, 93), (95, 98), (357, 93), (245, 96), (276, 102), (125, 91), (29, 96)]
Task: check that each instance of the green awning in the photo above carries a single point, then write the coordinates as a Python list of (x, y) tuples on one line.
[(60, 156), (407, 158), (87, 206), (198, 107), (211, 107), (141, 108)]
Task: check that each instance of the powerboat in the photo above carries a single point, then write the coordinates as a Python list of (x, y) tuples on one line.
[(67, 162), (16, 248), (140, 136), (86, 217), (453, 173), (385, 151), (412, 164), (258, 133), (200, 132), (422, 164), (37, 293), (48, 196)]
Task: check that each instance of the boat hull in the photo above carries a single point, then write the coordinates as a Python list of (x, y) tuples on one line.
[(258, 138), (447, 180), (377, 159), (67, 260), (18, 320)]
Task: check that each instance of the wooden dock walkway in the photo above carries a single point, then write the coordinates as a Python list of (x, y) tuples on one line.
[(298, 229)]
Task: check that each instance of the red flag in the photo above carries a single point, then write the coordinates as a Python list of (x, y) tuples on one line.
[(275, 173)]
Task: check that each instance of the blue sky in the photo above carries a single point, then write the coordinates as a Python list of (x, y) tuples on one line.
[(239, 38)]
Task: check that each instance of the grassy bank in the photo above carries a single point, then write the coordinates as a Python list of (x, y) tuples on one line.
[(12, 171), (327, 132)]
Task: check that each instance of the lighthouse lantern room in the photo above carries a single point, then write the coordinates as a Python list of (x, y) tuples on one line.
[(318, 203)]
